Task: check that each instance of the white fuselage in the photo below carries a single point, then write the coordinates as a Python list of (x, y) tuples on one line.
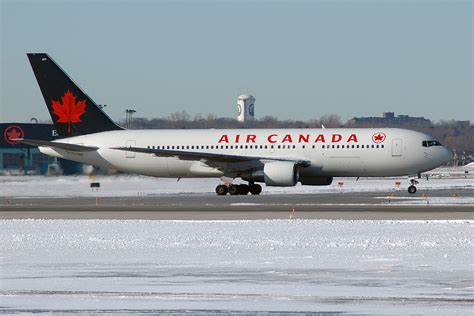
[(332, 152)]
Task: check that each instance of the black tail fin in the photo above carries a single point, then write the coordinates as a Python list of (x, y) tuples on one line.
[(72, 111)]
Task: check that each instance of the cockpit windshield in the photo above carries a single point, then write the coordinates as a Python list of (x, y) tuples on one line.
[(429, 143)]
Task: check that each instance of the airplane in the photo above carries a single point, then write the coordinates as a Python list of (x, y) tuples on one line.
[(275, 157)]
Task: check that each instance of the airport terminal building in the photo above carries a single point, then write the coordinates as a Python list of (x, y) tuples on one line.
[(17, 158)]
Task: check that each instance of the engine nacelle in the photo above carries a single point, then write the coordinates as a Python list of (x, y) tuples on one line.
[(315, 180), (280, 174)]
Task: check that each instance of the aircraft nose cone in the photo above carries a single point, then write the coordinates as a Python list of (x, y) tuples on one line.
[(448, 154)]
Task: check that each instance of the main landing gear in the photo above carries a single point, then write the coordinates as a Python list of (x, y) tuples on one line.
[(412, 187), (239, 189)]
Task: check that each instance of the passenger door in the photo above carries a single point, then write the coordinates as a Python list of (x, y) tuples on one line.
[(396, 147)]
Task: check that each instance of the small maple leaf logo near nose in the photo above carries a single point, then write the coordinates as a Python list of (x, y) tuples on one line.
[(378, 137), (69, 111)]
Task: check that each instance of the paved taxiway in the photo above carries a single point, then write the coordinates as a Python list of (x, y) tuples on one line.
[(354, 205)]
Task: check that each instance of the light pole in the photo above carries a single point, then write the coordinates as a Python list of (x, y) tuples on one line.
[(129, 117)]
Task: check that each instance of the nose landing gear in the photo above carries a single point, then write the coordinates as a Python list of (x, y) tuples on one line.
[(412, 187), (239, 189)]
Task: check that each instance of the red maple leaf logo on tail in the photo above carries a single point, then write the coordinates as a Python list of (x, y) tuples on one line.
[(69, 111)]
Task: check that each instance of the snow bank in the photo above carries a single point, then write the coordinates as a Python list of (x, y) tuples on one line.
[(243, 265)]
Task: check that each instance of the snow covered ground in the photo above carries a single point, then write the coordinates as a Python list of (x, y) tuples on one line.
[(123, 185), (265, 265)]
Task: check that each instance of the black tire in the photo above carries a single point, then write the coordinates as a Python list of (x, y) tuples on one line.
[(412, 189), (255, 189), (233, 189), (222, 189), (244, 189)]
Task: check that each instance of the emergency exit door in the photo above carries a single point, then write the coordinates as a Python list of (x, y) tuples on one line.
[(397, 147)]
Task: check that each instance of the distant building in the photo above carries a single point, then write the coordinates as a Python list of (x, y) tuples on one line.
[(389, 118)]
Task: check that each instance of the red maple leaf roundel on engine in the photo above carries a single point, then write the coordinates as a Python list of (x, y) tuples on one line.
[(378, 137), (69, 111)]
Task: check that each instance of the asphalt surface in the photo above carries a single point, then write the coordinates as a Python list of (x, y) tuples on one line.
[(357, 205)]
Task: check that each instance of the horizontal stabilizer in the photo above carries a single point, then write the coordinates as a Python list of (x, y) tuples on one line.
[(65, 146)]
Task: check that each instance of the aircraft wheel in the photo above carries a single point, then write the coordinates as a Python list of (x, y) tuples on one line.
[(234, 189), (221, 189), (412, 189), (255, 189), (244, 189)]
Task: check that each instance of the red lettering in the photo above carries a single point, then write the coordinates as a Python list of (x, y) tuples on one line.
[(336, 138), (251, 138), (352, 138), (270, 138), (237, 138), (224, 139), (287, 139), (320, 138), (303, 138)]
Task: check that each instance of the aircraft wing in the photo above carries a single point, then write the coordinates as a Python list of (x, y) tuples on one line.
[(64, 146), (210, 157)]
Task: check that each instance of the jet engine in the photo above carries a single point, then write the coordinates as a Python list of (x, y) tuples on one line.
[(276, 174)]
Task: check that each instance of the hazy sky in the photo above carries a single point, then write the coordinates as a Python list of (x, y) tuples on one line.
[(301, 59)]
